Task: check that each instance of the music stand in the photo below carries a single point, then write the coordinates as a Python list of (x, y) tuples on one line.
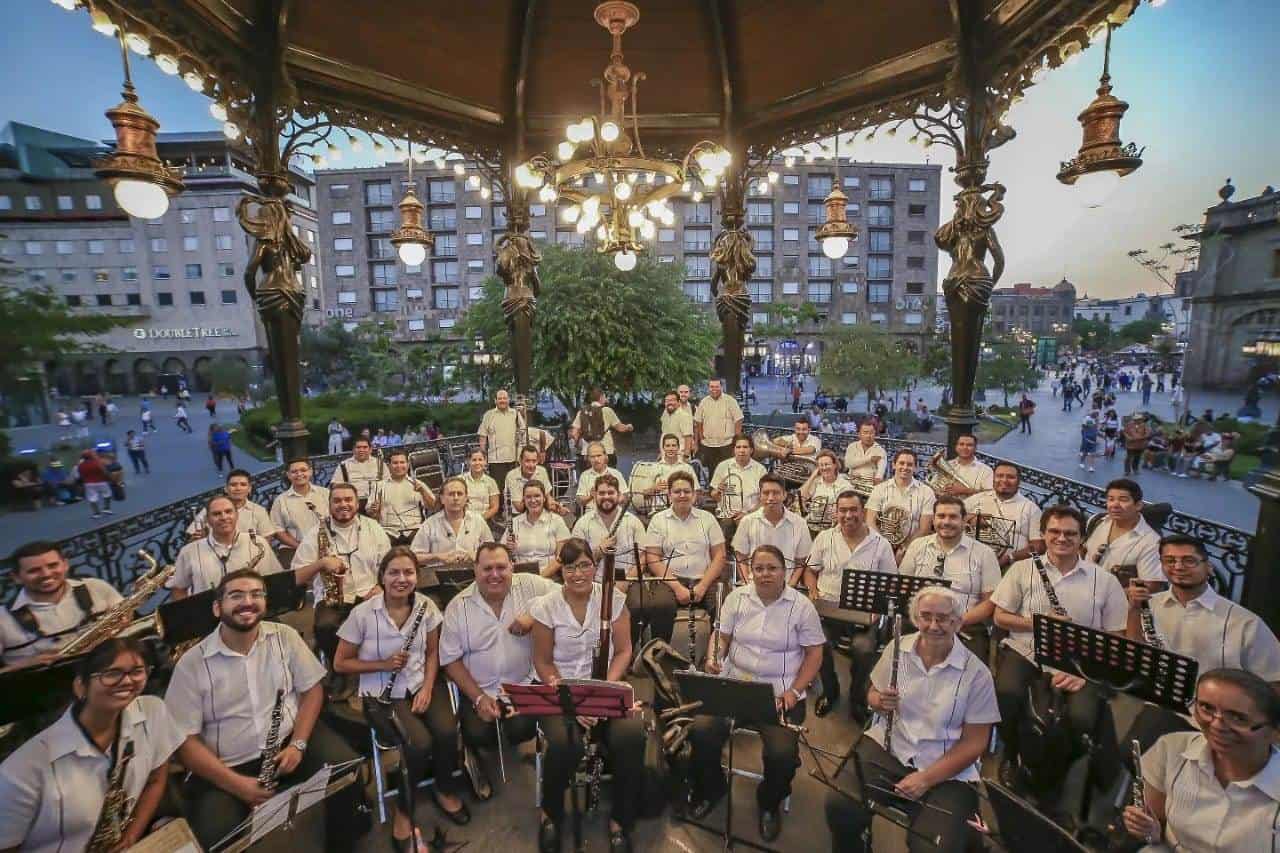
[(572, 697), (282, 809), (1021, 827), (36, 690), (749, 702), (872, 591), (192, 617)]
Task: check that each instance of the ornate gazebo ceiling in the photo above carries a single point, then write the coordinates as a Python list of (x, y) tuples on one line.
[(492, 75)]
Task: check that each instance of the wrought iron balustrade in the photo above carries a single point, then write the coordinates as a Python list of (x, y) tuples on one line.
[(1228, 546)]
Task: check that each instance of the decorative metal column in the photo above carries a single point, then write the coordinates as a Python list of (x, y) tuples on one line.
[(1261, 592), (517, 266), (735, 262)]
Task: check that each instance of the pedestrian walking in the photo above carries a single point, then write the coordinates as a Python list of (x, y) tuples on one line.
[(211, 406), (795, 397), (1088, 442), (220, 446), (180, 415), (1026, 408), (137, 449), (1147, 385), (97, 483), (101, 401), (1175, 400), (1137, 435)]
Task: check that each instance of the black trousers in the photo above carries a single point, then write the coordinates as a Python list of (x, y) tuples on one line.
[(713, 456), (1133, 460), (848, 818), (139, 460), (329, 619), (219, 456), (623, 742), (478, 734), (498, 471), (1014, 677), (652, 605), (212, 812), (1024, 423), (780, 753), (432, 735)]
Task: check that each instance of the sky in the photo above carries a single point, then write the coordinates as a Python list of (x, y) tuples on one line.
[(1194, 72)]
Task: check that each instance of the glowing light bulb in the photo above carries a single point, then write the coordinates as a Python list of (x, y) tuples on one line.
[(668, 218), (602, 233), (194, 81), (547, 194), (686, 186), (485, 192), (648, 177), (625, 261), (697, 196), (789, 161), (218, 111), (473, 182), (835, 247), (632, 178), (635, 218), (565, 151), (141, 199), (773, 177), (762, 187), (648, 229), (166, 63), (599, 176), (1095, 188), (592, 205), (101, 23), (232, 131), (355, 143), (138, 43), (609, 131), (622, 191), (412, 254)]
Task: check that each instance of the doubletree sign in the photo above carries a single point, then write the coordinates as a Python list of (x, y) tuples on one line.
[(186, 332)]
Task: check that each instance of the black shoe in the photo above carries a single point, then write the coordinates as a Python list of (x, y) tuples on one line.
[(770, 824), (619, 841), (402, 845), (480, 784), (824, 704), (548, 836), (700, 808), (461, 817)]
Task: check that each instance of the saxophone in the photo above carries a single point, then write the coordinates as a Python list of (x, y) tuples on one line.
[(267, 771), (385, 697), (113, 819), (120, 616), (331, 582), (941, 475)]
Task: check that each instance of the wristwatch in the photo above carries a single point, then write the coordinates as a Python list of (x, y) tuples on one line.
[(300, 745)]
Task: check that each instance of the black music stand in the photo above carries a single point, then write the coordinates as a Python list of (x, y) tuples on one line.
[(279, 812), (873, 591), (36, 690), (1021, 827), (605, 700), (740, 702), (192, 617)]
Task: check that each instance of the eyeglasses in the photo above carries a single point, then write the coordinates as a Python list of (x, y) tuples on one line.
[(581, 567), (1062, 534), (236, 596), (1184, 562), (113, 677), (1231, 719)]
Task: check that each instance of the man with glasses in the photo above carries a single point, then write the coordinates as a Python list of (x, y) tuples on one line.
[(300, 507), (224, 691), (1090, 596), (597, 466)]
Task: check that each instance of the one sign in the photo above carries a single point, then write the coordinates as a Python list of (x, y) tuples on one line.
[(345, 313), (188, 332)]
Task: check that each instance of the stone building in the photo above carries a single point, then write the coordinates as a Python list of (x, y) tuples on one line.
[(1043, 311)]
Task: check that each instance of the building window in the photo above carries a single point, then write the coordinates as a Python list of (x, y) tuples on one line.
[(446, 246), (103, 300), (819, 266), (915, 238), (186, 217), (817, 213), (384, 274), (819, 186), (573, 238), (849, 287), (346, 297), (65, 202), (93, 202), (915, 288), (881, 188), (341, 217), (813, 240), (222, 242), (229, 297), (223, 214), (475, 238), (67, 276), (915, 263), (343, 244), (879, 241), (878, 292), (445, 298), (36, 276), (32, 202), (764, 266), (916, 185), (879, 267), (62, 247), (344, 271), (441, 190), (758, 213), (666, 235), (6, 202), (129, 274), (851, 182), (443, 218), (790, 235), (666, 259), (851, 261), (880, 215), (32, 247), (193, 271), (475, 265), (697, 213), (444, 272), (133, 299), (697, 240), (790, 288), (759, 318), (226, 270), (473, 211), (849, 318), (160, 273), (339, 190), (73, 301), (190, 244), (413, 293), (915, 211), (164, 299), (101, 275), (697, 266), (197, 298), (381, 248), (761, 291), (475, 293), (125, 247), (382, 220), (698, 291), (913, 319), (762, 239), (417, 325), (879, 319), (385, 300), (377, 192), (159, 244), (791, 179), (791, 208)]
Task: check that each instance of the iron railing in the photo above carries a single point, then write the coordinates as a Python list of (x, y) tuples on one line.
[(111, 552), (1228, 546)]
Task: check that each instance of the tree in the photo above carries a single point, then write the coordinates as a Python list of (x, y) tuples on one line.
[(785, 321), (632, 332), (39, 327), (326, 354), (1138, 332), (1008, 369), (864, 358), (1094, 335), (229, 376)]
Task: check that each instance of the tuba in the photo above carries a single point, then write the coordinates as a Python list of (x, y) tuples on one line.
[(893, 523), (941, 475), (796, 470), (120, 616)]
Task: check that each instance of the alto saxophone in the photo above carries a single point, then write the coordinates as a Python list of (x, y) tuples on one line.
[(120, 616), (116, 810), (331, 582), (268, 771)]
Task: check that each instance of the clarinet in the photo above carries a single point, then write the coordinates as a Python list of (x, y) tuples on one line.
[(1149, 634), (1054, 604), (385, 697), (1138, 793), (893, 673), (267, 771)]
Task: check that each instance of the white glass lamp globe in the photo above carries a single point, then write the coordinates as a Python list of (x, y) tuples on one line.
[(622, 191), (413, 254), (625, 261), (141, 199), (1096, 187), (835, 247), (608, 131)]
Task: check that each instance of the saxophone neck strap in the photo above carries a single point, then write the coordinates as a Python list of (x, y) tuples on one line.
[(26, 619)]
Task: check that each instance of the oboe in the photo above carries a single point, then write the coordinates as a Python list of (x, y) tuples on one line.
[(385, 697), (267, 770), (893, 673)]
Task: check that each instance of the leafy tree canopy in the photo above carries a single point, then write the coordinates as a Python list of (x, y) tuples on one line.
[(1139, 332), (785, 321), (39, 327), (1008, 369), (630, 333), (866, 358)]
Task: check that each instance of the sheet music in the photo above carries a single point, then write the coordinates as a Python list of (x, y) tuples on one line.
[(275, 812), (174, 837)]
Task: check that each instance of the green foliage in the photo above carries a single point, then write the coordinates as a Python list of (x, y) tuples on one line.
[(864, 358), (785, 321), (1094, 335), (39, 327), (633, 333), (1007, 369), (935, 365), (229, 376), (356, 412), (326, 354), (1138, 332)]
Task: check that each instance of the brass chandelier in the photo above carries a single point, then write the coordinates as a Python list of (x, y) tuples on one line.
[(630, 193)]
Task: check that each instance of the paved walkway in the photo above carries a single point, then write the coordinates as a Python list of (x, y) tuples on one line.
[(180, 466)]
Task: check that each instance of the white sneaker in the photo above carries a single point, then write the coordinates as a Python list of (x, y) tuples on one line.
[(1090, 470), (1081, 466), (107, 512)]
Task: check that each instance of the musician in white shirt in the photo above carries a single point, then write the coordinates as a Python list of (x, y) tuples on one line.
[(1005, 502), (607, 512), (1090, 597), (50, 608), (536, 534), (598, 465), (529, 471), (362, 470), (453, 534), (222, 697), (483, 494), (716, 421), (202, 563), (400, 504), (1123, 541), (53, 787), (747, 470), (800, 443), (497, 433), (824, 485), (864, 458), (678, 421), (300, 507), (943, 705), (667, 464), (974, 476), (250, 516), (767, 632), (685, 543), (773, 524), (850, 545), (391, 641), (580, 430), (904, 493)]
